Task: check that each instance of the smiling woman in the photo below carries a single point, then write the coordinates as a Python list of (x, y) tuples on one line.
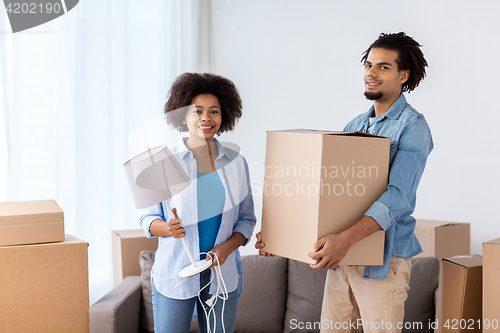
[(216, 208)]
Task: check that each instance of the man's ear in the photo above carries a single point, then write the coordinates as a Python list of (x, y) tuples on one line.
[(405, 75)]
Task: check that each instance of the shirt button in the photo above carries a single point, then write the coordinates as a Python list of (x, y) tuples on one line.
[(223, 222), (374, 132)]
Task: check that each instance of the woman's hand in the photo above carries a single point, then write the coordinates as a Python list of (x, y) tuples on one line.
[(174, 226), (259, 245), (222, 251), (225, 249)]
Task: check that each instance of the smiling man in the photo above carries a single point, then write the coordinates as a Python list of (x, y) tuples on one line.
[(393, 64)]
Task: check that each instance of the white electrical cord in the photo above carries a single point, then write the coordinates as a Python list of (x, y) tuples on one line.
[(221, 287)]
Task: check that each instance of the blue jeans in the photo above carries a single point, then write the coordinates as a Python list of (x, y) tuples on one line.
[(174, 315)]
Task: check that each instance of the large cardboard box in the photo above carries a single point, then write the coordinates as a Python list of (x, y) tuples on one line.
[(44, 287), (127, 245), (31, 222), (491, 286), (462, 290), (318, 183), (442, 239)]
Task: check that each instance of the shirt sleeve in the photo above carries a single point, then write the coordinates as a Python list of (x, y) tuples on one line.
[(410, 158), (148, 215), (246, 215)]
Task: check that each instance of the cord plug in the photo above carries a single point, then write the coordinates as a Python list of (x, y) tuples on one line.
[(211, 300)]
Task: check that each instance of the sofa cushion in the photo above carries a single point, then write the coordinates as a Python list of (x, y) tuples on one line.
[(261, 307), (146, 260), (305, 296), (420, 305)]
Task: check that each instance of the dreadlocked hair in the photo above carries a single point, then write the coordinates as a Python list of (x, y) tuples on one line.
[(410, 57)]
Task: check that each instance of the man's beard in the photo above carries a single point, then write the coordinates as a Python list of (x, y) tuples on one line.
[(373, 96)]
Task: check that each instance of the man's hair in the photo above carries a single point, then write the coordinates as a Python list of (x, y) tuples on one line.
[(189, 85), (410, 57)]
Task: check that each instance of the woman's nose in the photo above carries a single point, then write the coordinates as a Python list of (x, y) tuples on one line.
[(204, 116)]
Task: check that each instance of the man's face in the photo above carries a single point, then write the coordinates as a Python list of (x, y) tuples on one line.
[(383, 80)]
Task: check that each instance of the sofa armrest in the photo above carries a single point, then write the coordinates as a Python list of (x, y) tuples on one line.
[(119, 310)]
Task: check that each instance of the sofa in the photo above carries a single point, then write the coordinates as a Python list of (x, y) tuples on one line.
[(279, 295)]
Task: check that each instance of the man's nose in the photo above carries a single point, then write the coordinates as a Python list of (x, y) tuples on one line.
[(371, 72)]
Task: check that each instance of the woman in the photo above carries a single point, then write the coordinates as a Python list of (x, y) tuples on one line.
[(216, 209)]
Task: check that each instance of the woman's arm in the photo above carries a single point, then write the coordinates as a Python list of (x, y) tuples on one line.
[(171, 228), (225, 249)]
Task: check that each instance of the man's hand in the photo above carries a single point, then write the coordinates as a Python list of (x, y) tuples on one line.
[(330, 250), (259, 245), (174, 226), (333, 248)]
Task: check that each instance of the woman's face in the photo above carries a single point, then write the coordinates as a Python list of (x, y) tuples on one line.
[(203, 118)]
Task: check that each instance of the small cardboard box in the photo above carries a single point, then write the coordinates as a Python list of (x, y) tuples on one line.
[(491, 286), (31, 222), (44, 287), (442, 239), (318, 183), (462, 290), (127, 245)]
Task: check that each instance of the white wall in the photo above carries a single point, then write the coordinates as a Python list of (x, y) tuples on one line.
[(297, 65)]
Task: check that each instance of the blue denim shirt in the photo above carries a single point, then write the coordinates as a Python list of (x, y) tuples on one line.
[(411, 143), (238, 216)]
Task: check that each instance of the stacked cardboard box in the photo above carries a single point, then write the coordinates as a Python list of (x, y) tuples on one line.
[(491, 287), (127, 245), (318, 183), (44, 274), (31, 222), (442, 239), (462, 285)]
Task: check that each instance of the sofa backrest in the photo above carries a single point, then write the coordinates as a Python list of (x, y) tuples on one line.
[(278, 294)]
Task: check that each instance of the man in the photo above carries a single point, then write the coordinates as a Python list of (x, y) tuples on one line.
[(394, 64)]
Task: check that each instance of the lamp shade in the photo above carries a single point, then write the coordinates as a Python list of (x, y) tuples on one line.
[(155, 176)]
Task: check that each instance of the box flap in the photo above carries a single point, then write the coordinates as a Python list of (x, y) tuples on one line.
[(453, 288), (471, 307), (466, 261), (29, 207), (131, 233), (436, 224), (325, 132), (493, 241), (27, 212)]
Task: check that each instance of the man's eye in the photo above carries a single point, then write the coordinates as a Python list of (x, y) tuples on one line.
[(367, 66)]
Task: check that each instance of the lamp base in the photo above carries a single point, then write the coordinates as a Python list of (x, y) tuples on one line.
[(191, 270)]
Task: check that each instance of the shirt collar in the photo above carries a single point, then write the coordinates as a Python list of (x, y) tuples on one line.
[(185, 152), (394, 111)]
